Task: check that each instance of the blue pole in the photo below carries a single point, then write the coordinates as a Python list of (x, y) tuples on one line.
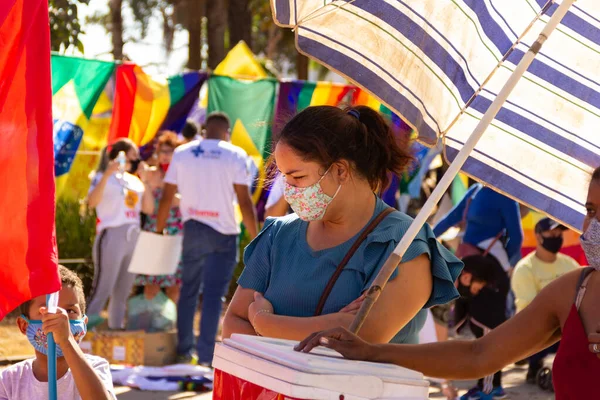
[(52, 388)]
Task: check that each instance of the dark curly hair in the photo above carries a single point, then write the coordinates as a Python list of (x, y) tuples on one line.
[(67, 278)]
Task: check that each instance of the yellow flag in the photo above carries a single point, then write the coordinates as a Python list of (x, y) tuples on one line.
[(241, 63)]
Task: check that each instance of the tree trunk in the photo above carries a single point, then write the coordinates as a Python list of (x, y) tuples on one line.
[(302, 67), (195, 12), (274, 37), (116, 28), (240, 22), (216, 12)]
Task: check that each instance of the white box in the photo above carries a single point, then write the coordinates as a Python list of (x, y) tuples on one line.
[(322, 375)]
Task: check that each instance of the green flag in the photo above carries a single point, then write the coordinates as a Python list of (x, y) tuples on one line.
[(249, 106), (77, 85)]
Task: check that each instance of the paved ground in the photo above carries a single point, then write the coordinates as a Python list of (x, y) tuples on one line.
[(514, 380)]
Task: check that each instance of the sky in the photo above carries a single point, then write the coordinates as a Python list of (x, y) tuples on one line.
[(148, 52)]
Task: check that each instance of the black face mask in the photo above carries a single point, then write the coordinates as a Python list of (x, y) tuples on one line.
[(134, 166), (552, 244)]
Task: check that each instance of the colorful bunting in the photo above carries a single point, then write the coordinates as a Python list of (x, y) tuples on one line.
[(184, 90), (241, 63), (141, 105), (249, 105), (295, 96)]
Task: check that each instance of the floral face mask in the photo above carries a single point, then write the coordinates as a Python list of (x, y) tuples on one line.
[(39, 340), (590, 242), (309, 203)]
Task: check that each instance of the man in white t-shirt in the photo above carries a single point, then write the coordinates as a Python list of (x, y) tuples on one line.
[(212, 176)]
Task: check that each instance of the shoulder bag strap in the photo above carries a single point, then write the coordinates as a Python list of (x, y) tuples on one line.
[(370, 228), (489, 248)]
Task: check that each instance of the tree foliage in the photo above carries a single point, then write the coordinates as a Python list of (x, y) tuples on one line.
[(145, 10), (232, 20), (65, 27)]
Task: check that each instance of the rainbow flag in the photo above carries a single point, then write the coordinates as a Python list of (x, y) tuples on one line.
[(77, 85), (295, 96), (143, 105), (28, 261), (184, 91), (140, 106)]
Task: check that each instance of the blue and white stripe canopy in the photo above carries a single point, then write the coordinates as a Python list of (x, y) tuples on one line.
[(440, 63)]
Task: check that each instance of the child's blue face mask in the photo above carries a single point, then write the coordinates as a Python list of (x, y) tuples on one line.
[(39, 341)]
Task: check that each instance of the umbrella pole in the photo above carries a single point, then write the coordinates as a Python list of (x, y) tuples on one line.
[(396, 257)]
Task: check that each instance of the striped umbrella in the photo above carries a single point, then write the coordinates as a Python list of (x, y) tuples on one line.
[(441, 63), (456, 69)]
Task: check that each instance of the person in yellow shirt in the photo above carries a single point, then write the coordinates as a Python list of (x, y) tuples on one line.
[(537, 270)]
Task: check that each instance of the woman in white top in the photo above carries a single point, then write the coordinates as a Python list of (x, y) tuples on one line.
[(118, 196)]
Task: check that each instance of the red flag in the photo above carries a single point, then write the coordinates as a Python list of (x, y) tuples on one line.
[(28, 257)]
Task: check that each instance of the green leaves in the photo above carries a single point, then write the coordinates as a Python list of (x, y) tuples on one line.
[(65, 27)]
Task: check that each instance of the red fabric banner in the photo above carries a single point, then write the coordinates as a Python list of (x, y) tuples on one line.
[(230, 387), (28, 256)]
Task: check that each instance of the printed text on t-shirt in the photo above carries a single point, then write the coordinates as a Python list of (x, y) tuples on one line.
[(203, 213), (132, 214)]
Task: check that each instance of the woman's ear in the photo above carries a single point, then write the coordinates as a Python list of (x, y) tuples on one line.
[(343, 171)]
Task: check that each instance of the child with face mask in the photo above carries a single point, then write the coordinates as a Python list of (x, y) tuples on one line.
[(79, 376)]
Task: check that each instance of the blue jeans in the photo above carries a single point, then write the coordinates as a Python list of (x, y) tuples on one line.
[(209, 259)]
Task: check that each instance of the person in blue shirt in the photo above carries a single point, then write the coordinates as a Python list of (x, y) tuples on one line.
[(488, 213), (334, 162), (491, 223)]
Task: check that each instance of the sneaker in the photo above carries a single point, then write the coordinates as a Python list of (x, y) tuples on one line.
[(476, 394), (187, 359), (498, 393)]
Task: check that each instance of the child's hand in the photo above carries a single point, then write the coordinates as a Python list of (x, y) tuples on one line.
[(57, 324)]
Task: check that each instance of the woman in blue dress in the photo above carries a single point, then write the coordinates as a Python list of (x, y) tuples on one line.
[(334, 162)]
